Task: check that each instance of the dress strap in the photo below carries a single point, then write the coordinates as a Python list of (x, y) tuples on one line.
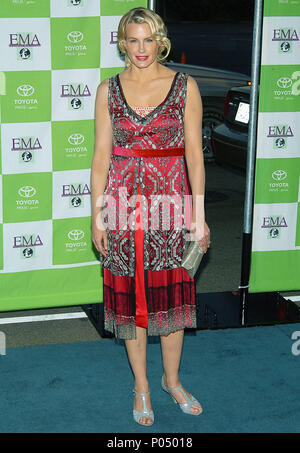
[(109, 96), (182, 88)]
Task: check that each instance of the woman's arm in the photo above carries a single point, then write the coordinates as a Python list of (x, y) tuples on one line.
[(195, 160), (101, 158)]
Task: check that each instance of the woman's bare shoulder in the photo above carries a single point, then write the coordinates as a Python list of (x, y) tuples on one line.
[(192, 86), (102, 89), (103, 85)]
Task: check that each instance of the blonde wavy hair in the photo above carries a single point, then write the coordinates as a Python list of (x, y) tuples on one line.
[(156, 24)]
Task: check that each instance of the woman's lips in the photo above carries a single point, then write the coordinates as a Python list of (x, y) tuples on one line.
[(141, 58)]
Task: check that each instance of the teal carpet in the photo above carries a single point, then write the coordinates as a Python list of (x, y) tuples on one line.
[(246, 379)]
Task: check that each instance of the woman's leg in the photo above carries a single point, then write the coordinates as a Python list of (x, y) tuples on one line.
[(171, 352), (136, 350)]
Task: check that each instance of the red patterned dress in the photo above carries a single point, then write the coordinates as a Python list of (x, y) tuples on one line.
[(144, 282)]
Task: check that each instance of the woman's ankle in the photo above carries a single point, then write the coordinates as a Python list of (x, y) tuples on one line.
[(171, 381), (141, 385)]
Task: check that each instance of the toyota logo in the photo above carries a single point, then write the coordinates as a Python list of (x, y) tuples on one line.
[(279, 175), (27, 191), (76, 139), (75, 36), (284, 82), (75, 235), (25, 90)]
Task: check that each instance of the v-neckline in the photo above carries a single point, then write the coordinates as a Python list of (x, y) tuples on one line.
[(139, 117)]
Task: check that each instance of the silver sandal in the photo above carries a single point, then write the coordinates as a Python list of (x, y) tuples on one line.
[(137, 414), (185, 407)]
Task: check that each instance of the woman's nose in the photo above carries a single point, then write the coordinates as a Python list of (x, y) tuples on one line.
[(141, 47)]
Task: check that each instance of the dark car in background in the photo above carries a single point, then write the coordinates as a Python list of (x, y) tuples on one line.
[(230, 139), (213, 85)]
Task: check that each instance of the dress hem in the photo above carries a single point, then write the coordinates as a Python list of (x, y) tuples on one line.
[(160, 323)]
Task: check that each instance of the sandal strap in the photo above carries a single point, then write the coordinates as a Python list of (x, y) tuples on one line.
[(143, 395), (180, 388)]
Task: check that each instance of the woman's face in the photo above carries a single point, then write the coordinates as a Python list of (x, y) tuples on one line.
[(141, 48)]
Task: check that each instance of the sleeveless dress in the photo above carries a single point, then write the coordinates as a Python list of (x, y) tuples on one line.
[(144, 283)]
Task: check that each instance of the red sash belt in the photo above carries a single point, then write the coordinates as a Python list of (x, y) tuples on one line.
[(119, 151)]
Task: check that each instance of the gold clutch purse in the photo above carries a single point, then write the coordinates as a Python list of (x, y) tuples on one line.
[(192, 257)]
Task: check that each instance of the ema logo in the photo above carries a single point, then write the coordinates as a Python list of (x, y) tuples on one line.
[(113, 37), (27, 244), (75, 94), (24, 145), (273, 224), (280, 133), (285, 38), (76, 237), (76, 194), (24, 43)]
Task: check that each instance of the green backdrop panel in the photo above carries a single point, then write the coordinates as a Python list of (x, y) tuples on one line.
[(75, 42), (25, 8), (28, 197), (54, 55), (277, 180), (275, 261), (275, 271), (280, 88), (28, 97), (68, 286), (281, 7), (72, 144)]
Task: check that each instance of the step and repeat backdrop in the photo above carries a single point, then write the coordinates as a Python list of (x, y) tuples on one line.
[(275, 261), (53, 55)]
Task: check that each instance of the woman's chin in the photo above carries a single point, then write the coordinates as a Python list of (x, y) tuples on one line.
[(143, 64)]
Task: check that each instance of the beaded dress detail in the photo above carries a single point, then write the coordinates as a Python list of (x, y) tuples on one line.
[(144, 283)]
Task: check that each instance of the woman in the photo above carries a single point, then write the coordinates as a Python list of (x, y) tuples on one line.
[(148, 127)]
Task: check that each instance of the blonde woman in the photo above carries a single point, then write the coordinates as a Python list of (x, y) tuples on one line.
[(148, 145)]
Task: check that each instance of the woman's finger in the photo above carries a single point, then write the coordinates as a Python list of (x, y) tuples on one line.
[(102, 251), (96, 244), (105, 242), (104, 248), (99, 246)]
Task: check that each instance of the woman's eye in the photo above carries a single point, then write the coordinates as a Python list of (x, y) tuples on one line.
[(149, 40)]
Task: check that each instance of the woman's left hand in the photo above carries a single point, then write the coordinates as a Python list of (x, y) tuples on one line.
[(204, 242), (202, 235)]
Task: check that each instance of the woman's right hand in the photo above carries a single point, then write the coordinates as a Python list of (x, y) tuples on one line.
[(99, 237)]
